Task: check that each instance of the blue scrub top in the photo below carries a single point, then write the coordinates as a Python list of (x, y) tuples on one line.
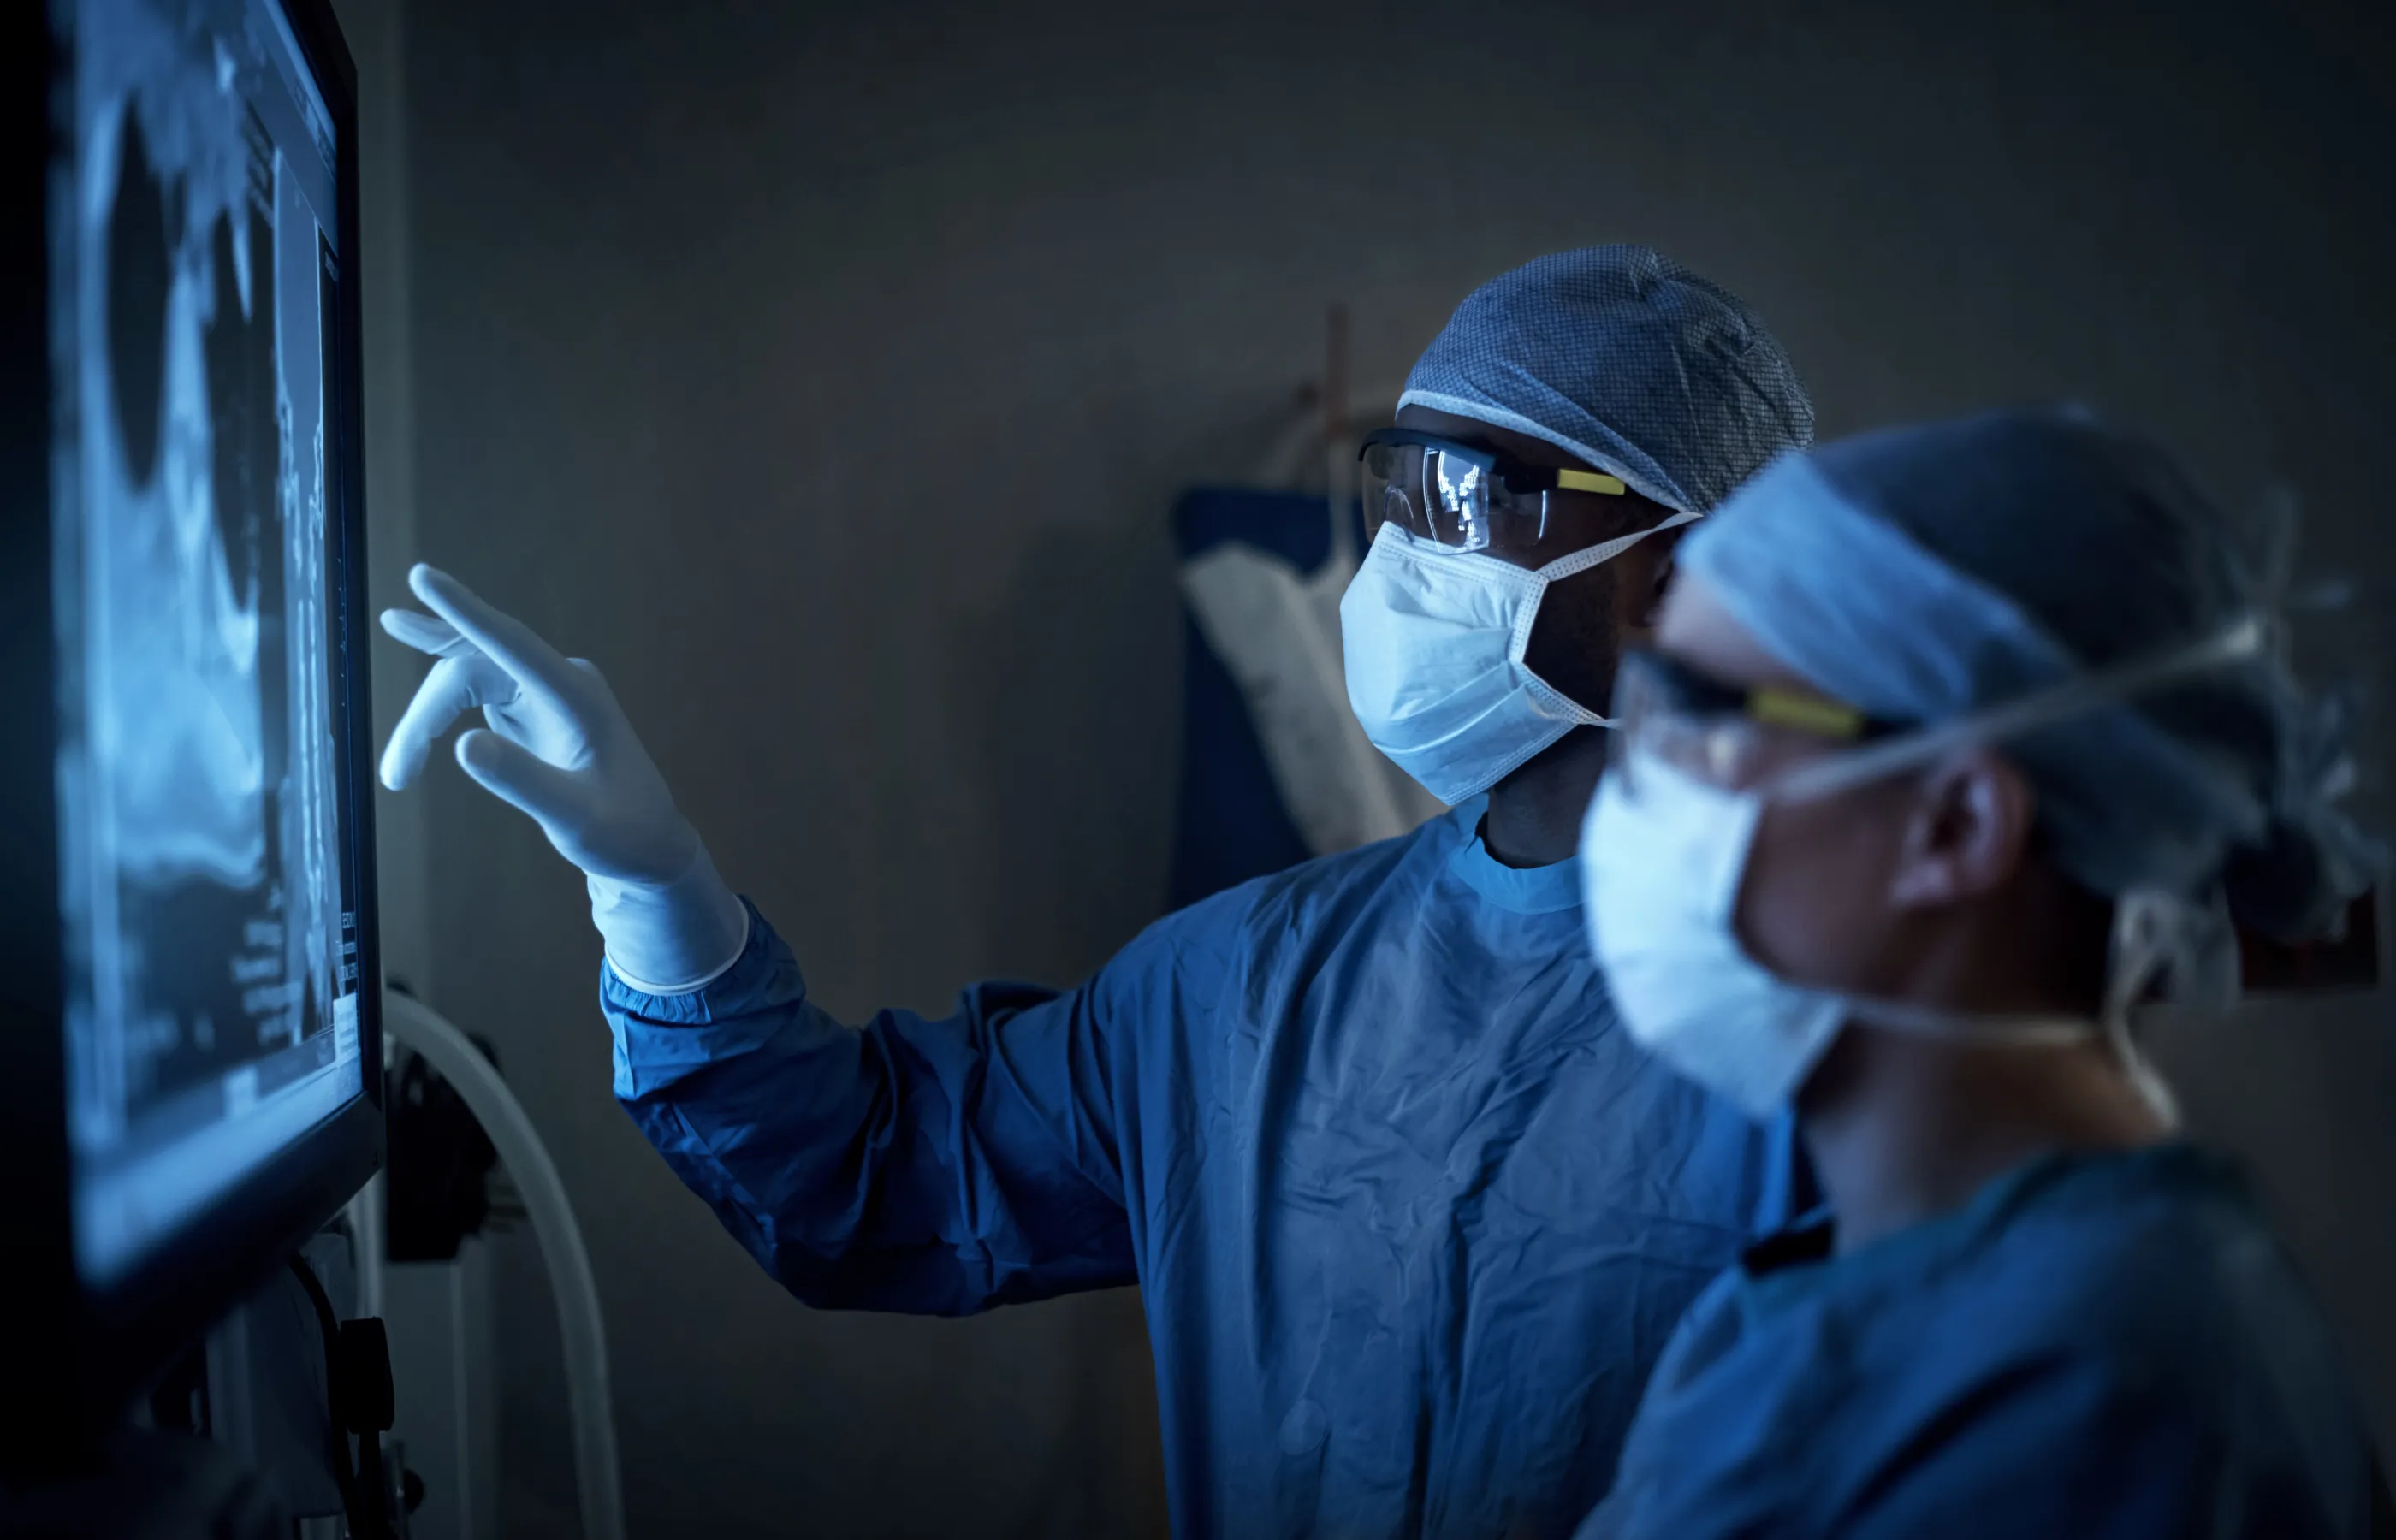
[(1412, 1213), (2108, 1345)]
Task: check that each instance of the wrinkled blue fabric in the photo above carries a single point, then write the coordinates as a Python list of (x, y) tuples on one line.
[(1922, 572), (1412, 1214), (1629, 362), (2110, 1346)]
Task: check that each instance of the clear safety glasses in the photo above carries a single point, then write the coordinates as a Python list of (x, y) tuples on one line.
[(1772, 741), (1461, 497), (1726, 736)]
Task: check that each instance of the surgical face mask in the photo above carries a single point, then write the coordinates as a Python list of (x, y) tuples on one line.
[(1664, 854), (1434, 641), (1660, 873)]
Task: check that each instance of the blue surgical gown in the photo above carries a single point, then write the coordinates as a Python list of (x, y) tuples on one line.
[(1412, 1214), (2102, 1346)]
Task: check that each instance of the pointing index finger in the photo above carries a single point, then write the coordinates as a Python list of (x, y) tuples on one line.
[(505, 640), (426, 634)]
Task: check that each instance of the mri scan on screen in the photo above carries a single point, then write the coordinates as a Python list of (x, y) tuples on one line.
[(209, 894)]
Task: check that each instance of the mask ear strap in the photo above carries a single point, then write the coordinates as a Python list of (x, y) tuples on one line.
[(2005, 1031), (1606, 550), (1559, 704)]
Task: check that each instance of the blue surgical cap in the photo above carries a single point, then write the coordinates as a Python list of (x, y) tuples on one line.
[(1628, 361), (1923, 572)]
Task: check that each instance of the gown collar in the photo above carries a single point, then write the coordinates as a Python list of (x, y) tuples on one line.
[(1522, 890)]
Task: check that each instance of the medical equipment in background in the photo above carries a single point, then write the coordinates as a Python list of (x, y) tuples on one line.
[(1275, 768), (477, 1082), (445, 1350), (424, 1269), (423, 1222)]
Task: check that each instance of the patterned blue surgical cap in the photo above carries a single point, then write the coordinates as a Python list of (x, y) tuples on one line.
[(1929, 571), (1628, 361)]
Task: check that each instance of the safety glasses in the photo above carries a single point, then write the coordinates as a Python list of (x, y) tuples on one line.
[(1740, 739), (1461, 497), (1724, 735)]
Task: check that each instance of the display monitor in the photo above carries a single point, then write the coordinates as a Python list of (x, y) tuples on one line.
[(188, 660)]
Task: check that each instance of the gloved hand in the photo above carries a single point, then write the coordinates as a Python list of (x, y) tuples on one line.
[(559, 748)]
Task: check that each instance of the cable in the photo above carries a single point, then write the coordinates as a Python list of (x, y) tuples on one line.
[(599, 1482), (358, 1394), (345, 1476)]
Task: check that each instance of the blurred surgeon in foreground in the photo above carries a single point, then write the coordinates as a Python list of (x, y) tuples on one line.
[(1412, 1214), (1956, 743)]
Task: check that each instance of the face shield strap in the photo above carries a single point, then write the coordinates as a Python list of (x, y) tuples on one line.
[(2187, 945), (2239, 642)]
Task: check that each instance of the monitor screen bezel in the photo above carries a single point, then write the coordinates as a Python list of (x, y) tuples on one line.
[(82, 1353)]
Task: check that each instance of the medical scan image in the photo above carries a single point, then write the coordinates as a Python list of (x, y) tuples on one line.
[(208, 883)]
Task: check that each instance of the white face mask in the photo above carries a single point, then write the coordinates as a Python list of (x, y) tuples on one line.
[(1434, 641), (1660, 875), (1661, 870)]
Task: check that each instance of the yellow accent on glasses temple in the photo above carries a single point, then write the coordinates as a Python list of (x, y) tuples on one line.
[(1591, 481), (1824, 718)]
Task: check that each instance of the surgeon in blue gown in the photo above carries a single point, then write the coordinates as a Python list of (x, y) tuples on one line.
[(1413, 1217), (1956, 743)]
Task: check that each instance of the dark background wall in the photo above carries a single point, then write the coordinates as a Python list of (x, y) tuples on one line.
[(826, 374)]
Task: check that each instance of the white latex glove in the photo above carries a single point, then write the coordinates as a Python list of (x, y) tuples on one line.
[(559, 748)]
